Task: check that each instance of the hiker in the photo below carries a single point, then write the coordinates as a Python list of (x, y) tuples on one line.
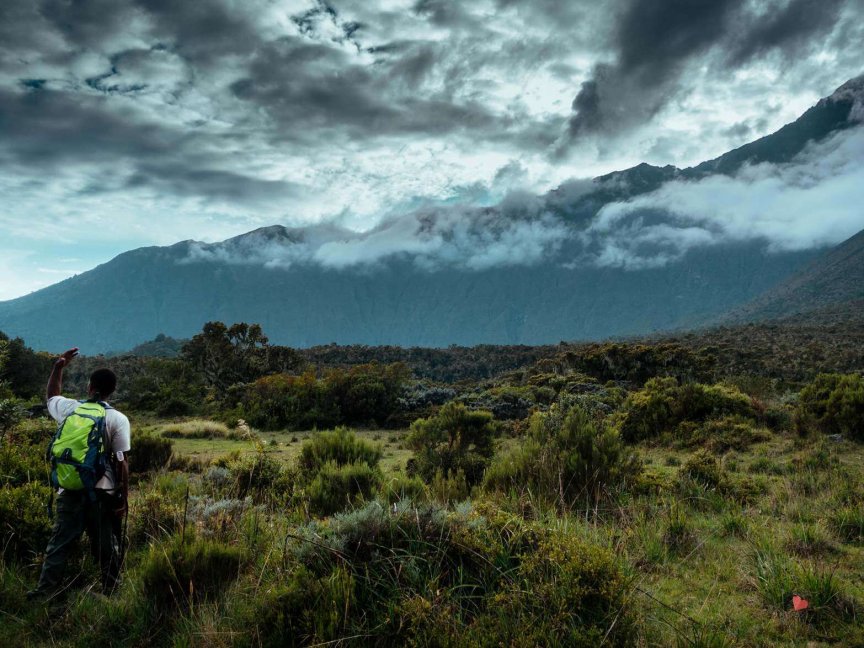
[(91, 474)]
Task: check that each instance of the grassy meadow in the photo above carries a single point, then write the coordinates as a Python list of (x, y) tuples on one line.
[(628, 496)]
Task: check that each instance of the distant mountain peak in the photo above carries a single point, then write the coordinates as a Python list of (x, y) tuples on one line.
[(851, 91)]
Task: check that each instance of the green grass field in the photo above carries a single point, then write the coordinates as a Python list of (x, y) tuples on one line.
[(710, 588), (703, 564)]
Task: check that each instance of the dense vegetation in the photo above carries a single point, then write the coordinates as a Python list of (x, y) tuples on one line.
[(629, 493)]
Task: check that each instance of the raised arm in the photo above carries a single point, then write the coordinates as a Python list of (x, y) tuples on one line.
[(55, 380)]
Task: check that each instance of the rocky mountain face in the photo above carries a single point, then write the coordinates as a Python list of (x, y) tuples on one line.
[(291, 282)]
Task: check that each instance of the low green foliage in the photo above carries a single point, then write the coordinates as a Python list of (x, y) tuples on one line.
[(10, 415), (398, 487), (835, 403), (338, 469), (778, 579), (408, 576), (663, 404), (260, 476), (153, 516), (363, 395), (24, 496), (181, 571), (723, 434), (195, 429), (339, 446), (848, 523), (774, 574), (569, 458), (809, 539), (704, 469), (149, 453), (24, 523), (454, 440), (336, 487), (20, 464), (678, 534)]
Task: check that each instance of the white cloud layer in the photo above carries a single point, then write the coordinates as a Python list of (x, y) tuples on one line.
[(814, 201), (516, 232)]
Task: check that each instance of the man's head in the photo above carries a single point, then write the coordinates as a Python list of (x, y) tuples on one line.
[(103, 382)]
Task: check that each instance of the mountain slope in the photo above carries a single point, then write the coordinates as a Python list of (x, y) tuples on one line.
[(153, 290), (831, 287)]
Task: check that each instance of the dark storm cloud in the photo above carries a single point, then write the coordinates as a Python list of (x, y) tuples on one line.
[(654, 42), (307, 87), (788, 26), (446, 13), (46, 128), (49, 129), (85, 23), (203, 32), (181, 179)]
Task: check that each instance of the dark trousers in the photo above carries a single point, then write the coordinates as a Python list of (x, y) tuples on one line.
[(75, 513)]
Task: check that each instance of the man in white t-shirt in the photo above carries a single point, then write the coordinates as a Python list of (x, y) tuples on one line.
[(77, 511)]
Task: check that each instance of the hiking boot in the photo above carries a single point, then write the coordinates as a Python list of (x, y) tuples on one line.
[(36, 595)]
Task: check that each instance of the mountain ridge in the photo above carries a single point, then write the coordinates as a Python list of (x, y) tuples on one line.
[(174, 289)]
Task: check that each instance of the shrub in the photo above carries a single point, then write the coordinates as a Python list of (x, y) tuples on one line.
[(20, 464), (727, 433), (217, 518), (341, 447), (402, 577), (780, 418), (401, 487), (704, 482), (197, 429), (176, 573), (836, 403), (149, 453), (704, 469), (283, 401), (568, 458), (453, 440), (154, 516), (24, 523), (452, 487), (257, 474), (367, 393), (336, 486), (663, 404), (168, 387), (10, 414), (361, 394)]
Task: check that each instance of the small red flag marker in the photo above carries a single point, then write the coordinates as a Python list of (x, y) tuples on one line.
[(799, 603)]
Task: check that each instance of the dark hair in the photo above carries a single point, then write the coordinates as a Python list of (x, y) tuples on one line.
[(103, 382)]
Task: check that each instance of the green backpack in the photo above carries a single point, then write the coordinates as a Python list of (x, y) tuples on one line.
[(78, 453)]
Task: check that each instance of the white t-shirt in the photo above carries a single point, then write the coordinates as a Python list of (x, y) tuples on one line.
[(117, 429)]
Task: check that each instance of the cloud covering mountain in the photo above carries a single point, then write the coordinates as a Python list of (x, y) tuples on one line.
[(810, 200), (139, 122)]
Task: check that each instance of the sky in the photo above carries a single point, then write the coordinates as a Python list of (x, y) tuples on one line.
[(127, 123)]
